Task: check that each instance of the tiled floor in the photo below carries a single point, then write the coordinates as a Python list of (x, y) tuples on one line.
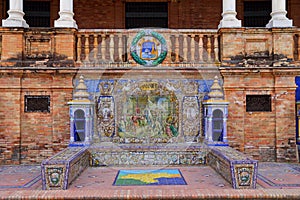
[(20, 177), (275, 180), (199, 177), (279, 175)]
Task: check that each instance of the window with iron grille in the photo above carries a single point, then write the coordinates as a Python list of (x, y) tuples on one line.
[(146, 14), (37, 13), (257, 13), (37, 103), (258, 103)]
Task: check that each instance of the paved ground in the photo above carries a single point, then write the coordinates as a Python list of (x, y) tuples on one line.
[(275, 180)]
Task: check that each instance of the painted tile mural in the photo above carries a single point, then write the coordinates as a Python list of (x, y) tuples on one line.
[(148, 110)]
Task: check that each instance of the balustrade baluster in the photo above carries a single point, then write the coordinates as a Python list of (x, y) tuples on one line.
[(177, 56), (79, 48), (169, 42), (193, 48), (208, 48), (216, 48), (103, 47), (95, 47), (111, 47), (120, 47), (185, 46), (200, 48), (86, 47)]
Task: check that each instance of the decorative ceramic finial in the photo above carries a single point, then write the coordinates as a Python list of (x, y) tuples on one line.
[(216, 92), (81, 90)]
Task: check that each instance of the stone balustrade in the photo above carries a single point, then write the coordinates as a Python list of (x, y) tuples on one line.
[(113, 46)]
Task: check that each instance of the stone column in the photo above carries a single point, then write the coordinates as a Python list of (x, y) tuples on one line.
[(66, 15), (15, 15), (278, 14), (229, 15)]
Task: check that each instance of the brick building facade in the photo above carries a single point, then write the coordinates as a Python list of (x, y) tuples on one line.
[(46, 62)]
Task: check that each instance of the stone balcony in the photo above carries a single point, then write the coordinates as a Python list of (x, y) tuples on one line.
[(110, 48)]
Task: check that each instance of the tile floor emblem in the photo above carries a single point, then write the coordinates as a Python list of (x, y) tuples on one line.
[(149, 177)]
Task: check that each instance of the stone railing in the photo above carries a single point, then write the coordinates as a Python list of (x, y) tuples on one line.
[(113, 46)]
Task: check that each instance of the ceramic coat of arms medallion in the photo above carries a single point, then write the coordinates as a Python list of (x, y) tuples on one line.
[(55, 177), (148, 48)]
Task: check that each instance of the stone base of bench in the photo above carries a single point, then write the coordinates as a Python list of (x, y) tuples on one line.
[(234, 166), (60, 170)]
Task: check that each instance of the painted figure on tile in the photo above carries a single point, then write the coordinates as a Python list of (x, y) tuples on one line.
[(149, 112)]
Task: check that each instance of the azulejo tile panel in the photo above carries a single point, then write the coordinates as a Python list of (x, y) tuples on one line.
[(148, 110)]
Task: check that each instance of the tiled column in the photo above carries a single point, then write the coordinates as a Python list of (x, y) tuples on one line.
[(15, 12), (66, 15), (278, 14), (229, 15)]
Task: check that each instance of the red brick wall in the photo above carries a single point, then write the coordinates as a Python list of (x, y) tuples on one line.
[(267, 136), (32, 137), (10, 119), (293, 12), (97, 14), (54, 9)]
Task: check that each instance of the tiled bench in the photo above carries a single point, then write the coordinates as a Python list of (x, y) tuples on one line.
[(60, 170), (234, 166)]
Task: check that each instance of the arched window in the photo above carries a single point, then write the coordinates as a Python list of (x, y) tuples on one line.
[(217, 125), (79, 126)]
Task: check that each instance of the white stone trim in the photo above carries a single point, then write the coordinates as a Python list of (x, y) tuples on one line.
[(278, 14), (16, 14), (229, 15), (66, 15)]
